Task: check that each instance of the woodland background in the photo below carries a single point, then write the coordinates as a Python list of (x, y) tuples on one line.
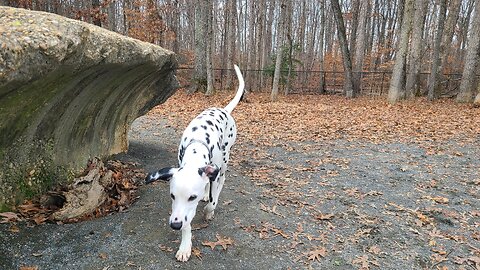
[(398, 48)]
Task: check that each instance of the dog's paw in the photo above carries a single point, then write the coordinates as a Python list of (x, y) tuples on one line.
[(209, 215), (183, 255)]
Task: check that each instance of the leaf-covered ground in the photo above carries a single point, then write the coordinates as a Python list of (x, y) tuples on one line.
[(315, 182), (357, 183)]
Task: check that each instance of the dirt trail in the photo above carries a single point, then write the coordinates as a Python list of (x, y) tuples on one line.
[(322, 204)]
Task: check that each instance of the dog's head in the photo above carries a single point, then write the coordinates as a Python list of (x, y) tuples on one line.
[(187, 188)]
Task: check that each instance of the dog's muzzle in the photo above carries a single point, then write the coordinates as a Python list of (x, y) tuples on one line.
[(176, 225)]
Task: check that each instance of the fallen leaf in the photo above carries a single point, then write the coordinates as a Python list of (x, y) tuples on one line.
[(28, 268), (14, 229), (316, 254), (222, 241), (165, 248), (102, 255), (197, 253), (374, 250), (9, 217), (324, 216), (362, 261)]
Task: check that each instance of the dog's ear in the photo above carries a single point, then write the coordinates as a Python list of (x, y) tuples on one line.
[(209, 172), (163, 174)]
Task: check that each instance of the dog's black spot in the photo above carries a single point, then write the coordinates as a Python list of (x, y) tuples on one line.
[(194, 151), (193, 129), (226, 143), (181, 153), (211, 129), (207, 140), (213, 203), (200, 171), (212, 113), (230, 135), (221, 117), (185, 218), (179, 169), (204, 127), (184, 139), (223, 149), (216, 126), (221, 130), (209, 122), (224, 114), (205, 157), (218, 121), (207, 134)]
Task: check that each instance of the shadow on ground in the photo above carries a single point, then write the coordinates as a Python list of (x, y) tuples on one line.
[(141, 237)]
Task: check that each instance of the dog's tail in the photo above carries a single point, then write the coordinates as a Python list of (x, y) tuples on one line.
[(241, 85)]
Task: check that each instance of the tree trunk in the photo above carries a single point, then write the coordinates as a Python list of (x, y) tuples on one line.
[(413, 74), (471, 59), (199, 79), (279, 45), (342, 39), (210, 40), (252, 27), (321, 50), (354, 26), (360, 46), (432, 82), (232, 16), (448, 32), (396, 90)]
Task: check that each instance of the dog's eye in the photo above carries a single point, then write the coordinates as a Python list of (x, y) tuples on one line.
[(191, 198), (173, 196)]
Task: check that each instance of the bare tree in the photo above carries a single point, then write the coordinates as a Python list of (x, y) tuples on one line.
[(279, 45), (210, 39), (396, 90), (471, 59), (432, 82), (342, 39), (360, 45), (199, 79), (231, 48), (413, 74)]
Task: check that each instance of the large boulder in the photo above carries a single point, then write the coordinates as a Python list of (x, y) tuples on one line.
[(69, 92)]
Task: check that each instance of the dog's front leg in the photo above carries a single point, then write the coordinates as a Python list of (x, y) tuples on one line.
[(185, 249)]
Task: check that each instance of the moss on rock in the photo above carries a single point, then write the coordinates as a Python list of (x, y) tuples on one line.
[(69, 91)]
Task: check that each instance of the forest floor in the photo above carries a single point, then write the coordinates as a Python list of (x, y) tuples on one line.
[(315, 182)]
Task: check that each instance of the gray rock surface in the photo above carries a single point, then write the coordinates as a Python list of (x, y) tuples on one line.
[(69, 91)]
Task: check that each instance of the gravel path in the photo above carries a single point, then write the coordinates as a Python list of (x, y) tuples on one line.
[(331, 205)]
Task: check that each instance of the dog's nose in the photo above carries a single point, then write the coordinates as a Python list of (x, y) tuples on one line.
[(176, 225)]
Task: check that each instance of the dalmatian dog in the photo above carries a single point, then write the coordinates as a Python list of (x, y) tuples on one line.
[(203, 155)]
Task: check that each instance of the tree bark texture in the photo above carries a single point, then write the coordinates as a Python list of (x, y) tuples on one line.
[(432, 82), (396, 90), (342, 38), (413, 74), (471, 60)]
